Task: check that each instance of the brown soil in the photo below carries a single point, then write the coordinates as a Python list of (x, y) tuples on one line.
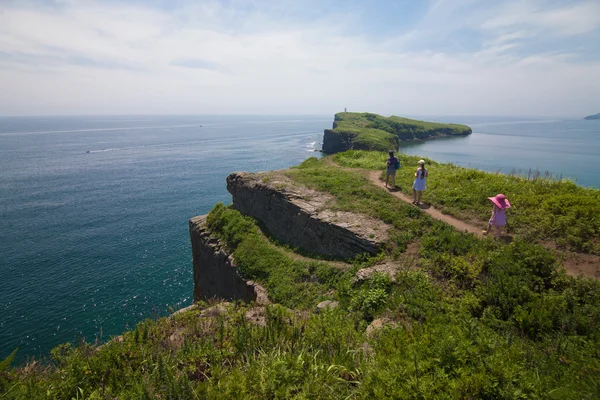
[(428, 209), (575, 264)]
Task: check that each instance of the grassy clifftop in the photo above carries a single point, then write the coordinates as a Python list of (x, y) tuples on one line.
[(544, 209), (367, 131), (451, 317)]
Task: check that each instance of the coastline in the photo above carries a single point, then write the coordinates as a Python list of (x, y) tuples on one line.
[(197, 187)]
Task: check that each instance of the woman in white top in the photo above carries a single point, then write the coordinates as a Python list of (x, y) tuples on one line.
[(420, 181)]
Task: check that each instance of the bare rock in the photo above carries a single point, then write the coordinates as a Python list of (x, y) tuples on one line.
[(327, 304), (389, 269), (215, 311), (378, 324), (257, 316), (215, 272), (300, 217)]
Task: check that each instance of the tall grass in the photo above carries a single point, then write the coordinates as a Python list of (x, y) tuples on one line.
[(291, 281), (472, 319), (542, 208)]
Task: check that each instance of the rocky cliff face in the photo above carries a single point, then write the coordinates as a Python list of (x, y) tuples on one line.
[(299, 217), (291, 214), (336, 142), (215, 274)]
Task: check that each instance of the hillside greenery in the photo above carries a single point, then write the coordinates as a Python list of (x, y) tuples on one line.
[(464, 318), (369, 131), (292, 281), (543, 208)]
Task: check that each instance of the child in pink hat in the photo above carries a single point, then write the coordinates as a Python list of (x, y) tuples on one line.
[(498, 218)]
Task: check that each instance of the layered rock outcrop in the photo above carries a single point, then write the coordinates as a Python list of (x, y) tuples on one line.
[(298, 216), (291, 214), (336, 142), (215, 273)]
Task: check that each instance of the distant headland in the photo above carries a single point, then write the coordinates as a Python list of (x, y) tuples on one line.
[(595, 116), (367, 131)]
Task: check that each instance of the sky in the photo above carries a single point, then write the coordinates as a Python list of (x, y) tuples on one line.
[(402, 57)]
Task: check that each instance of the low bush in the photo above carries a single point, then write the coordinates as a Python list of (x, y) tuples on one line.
[(467, 318)]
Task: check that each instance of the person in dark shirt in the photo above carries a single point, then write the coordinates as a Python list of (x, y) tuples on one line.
[(392, 165)]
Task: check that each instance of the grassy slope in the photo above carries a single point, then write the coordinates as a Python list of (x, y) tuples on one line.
[(292, 282), (542, 209), (477, 319), (374, 132)]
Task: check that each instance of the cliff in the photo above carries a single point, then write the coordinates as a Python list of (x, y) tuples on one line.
[(299, 217), (290, 214), (366, 131), (427, 310), (215, 272), (590, 117)]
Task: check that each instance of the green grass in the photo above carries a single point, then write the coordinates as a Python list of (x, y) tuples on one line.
[(472, 319), (291, 281), (436, 349), (542, 209), (373, 132), (354, 192)]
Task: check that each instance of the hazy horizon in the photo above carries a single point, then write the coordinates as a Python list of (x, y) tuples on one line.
[(526, 58), (526, 116)]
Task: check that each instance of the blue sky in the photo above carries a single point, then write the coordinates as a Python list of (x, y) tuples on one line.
[(438, 57)]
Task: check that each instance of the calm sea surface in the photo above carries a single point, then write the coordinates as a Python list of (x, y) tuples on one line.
[(94, 210), (564, 148)]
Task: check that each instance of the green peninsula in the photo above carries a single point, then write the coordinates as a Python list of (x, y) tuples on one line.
[(367, 131), (595, 116)]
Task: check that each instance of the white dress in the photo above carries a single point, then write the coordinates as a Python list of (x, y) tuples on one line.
[(420, 184)]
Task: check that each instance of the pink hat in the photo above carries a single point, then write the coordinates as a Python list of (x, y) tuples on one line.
[(500, 200)]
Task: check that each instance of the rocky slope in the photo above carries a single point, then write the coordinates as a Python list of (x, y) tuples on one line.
[(215, 273), (289, 213), (298, 216)]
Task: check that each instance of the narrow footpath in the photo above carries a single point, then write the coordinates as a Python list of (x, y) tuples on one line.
[(426, 208), (575, 263)]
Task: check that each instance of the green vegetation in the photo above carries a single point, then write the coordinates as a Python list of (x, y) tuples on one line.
[(368, 131), (505, 336), (463, 319), (291, 281), (355, 193), (542, 208)]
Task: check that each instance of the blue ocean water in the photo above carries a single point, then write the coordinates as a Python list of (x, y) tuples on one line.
[(567, 148), (94, 210), (94, 214)]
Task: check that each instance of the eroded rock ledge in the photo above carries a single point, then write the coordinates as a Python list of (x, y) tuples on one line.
[(298, 216), (215, 273)]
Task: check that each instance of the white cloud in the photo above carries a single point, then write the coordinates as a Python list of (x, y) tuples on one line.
[(533, 16), (205, 58)]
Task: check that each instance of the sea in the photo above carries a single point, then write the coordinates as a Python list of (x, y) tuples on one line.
[(94, 210)]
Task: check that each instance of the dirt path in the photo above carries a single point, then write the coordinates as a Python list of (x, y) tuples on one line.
[(426, 208), (575, 263)]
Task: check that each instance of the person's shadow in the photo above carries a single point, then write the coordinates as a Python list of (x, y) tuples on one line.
[(424, 206), (506, 239)]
